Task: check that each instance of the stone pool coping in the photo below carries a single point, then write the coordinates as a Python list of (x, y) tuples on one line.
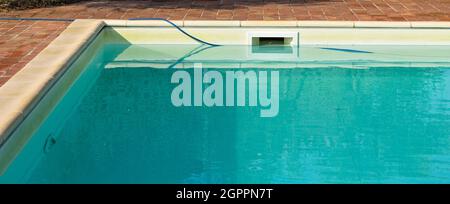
[(23, 91), (298, 24)]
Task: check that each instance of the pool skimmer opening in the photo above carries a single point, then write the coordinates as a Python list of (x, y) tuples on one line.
[(265, 41), (262, 38)]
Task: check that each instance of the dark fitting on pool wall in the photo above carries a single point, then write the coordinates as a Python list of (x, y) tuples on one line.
[(49, 142), (267, 41)]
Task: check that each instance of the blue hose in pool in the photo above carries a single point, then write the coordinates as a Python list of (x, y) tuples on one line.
[(177, 27), (71, 19)]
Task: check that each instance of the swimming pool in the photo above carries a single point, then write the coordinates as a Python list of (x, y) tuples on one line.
[(345, 114)]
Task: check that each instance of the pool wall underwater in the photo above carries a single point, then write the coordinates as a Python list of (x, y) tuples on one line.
[(31, 95)]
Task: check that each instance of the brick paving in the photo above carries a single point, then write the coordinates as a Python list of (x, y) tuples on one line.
[(20, 41), (381, 10)]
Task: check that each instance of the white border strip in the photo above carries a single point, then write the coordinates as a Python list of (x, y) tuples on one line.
[(292, 24)]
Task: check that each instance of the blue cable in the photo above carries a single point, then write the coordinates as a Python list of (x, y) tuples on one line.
[(345, 50), (71, 19), (174, 25), (191, 53)]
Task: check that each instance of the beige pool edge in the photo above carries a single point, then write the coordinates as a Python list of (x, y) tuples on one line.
[(298, 24), (20, 94)]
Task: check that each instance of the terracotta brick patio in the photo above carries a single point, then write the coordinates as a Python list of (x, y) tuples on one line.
[(20, 41), (384, 10)]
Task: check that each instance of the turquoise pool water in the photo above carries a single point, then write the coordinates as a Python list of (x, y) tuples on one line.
[(353, 119)]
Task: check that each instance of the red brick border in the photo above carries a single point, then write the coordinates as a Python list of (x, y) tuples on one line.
[(20, 41)]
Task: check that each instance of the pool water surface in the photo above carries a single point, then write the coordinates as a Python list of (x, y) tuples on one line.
[(355, 120)]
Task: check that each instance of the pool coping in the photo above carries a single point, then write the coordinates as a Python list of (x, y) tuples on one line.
[(293, 24), (22, 92)]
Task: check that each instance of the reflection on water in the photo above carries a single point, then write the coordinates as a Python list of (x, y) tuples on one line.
[(378, 125)]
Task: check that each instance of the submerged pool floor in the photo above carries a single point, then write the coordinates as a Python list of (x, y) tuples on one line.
[(117, 124)]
